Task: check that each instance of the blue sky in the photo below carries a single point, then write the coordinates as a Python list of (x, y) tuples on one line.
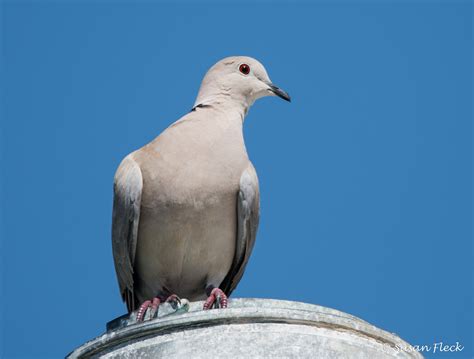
[(366, 197)]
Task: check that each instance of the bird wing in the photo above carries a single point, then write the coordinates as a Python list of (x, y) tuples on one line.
[(248, 214), (128, 184)]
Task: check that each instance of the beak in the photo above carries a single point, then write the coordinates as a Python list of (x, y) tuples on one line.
[(279, 92)]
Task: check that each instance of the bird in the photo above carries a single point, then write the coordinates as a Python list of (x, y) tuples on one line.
[(186, 206)]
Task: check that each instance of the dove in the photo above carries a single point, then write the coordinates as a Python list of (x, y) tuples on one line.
[(186, 205)]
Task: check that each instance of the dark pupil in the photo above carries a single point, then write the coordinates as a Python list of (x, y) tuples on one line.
[(244, 69)]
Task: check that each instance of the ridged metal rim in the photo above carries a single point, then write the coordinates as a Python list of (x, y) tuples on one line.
[(241, 311)]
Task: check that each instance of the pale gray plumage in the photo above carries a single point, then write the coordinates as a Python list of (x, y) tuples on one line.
[(128, 186), (248, 211), (186, 205)]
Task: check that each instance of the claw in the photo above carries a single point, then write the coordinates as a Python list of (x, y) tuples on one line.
[(154, 307), (174, 300), (217, 299), (142, 310), (151, 305)]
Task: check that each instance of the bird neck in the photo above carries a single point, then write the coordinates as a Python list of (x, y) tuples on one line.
[(223, 100)]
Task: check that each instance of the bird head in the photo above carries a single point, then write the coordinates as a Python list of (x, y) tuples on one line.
[(238, 80)]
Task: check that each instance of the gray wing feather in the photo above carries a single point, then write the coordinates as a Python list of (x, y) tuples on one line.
[(248, 214), (128, 184)]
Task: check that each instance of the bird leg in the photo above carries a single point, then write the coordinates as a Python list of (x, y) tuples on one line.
[(152, 306), (148, 304), (216, 299)]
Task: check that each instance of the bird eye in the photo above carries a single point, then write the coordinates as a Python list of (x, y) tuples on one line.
[(244, 68)]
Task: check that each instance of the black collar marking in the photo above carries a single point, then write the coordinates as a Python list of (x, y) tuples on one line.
[(200, 106)]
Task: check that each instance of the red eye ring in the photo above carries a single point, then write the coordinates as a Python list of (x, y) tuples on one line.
[(245, 69)]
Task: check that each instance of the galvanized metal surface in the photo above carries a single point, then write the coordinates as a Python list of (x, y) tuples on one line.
[(249, 328)]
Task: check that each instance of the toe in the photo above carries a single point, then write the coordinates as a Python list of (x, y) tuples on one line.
[(154, 307), (148, 310), (142, 310), (209, 302)]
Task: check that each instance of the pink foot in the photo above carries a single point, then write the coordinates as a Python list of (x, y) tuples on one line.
[(152, 304), (216, 299)]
